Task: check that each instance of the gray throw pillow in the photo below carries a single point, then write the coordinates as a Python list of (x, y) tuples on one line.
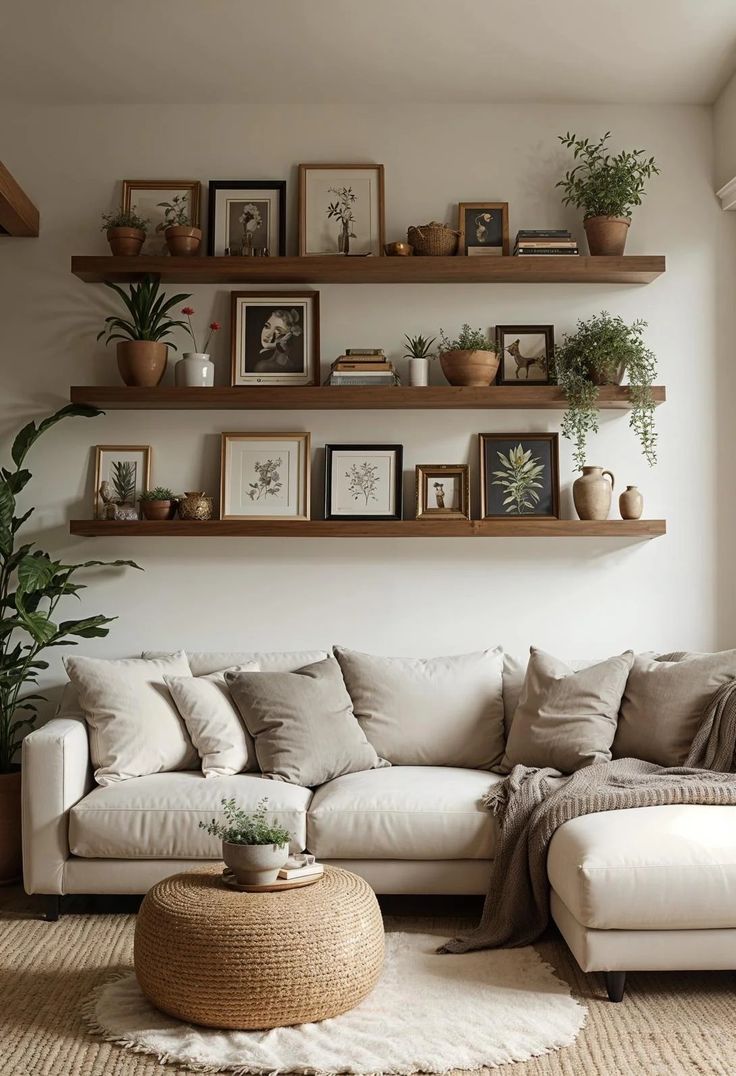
[(302, 723), (566, 719)]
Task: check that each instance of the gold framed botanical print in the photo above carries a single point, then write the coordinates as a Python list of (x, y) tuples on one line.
[(443, 491), (265, 476)]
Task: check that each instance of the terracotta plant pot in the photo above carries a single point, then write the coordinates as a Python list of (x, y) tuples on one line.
[(592, 493), (11, 859), (158, 509), (181, 241), (142, 363), (606, 235), (255, 864), (125, 242), (471, 368)]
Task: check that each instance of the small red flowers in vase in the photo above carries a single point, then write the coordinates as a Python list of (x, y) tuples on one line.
[(195, 369)]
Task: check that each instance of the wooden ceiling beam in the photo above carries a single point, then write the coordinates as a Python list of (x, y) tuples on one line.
[(18, 214)]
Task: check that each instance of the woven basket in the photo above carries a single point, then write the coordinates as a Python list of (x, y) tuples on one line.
[(433, 239)]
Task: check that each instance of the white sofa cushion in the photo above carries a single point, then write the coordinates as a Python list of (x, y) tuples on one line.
[(429, 711), (214, 722), (203, 662), (157, 817), (514, 674), (648, 868), (134, 727), (403, 812)]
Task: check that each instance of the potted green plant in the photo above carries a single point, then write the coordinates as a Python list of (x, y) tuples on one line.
[(141, 354), (470, 359), (126, 231), (606, 187), (32, 584), (253, 848), (182, 238), (600, 352), (418, 351), (158, 503)]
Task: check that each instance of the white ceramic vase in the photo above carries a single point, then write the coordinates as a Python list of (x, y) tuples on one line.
[(194, 370), (255, 864), (419, 372)]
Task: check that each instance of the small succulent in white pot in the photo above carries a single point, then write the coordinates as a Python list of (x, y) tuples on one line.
[(253, 848)]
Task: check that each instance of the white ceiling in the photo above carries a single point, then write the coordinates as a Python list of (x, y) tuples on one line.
[(372, 51)]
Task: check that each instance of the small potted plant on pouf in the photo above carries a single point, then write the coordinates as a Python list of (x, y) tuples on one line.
[(141, 353), (253, 848), (606, 187), (471, 359), (418, 351), (126, 232), (182, 238), (158, 503), (195, 369)]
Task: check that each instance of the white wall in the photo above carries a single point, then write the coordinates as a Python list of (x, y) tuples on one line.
[(724, 134), (576, 596)]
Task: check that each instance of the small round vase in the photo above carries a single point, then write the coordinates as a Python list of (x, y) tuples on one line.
[(631, 503), (592, 493), (419, 372), (194, 370)]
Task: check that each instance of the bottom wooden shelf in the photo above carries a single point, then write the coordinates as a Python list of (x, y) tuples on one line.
[(404, 528)]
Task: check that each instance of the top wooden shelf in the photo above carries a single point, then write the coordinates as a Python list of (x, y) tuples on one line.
[(333, 269)]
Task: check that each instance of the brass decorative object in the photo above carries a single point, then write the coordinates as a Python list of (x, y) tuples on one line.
[(393, 250), (195, 505)]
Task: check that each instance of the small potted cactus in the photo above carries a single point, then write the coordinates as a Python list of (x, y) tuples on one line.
[(182, 237), (158, 503), (418, 351), (253, 848), (471, 359), (126, 231)]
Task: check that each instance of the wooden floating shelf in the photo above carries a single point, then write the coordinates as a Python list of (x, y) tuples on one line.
[(405, 528), (333, 269), (343, 398)]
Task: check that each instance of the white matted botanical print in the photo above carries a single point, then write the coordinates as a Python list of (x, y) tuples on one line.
[(265, 476), (146, 196), (363, 481), (341, 209), (122, 475), (247, 217), (275, 338)]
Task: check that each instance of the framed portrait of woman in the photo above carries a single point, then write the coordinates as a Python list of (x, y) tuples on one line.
[(275, 338)]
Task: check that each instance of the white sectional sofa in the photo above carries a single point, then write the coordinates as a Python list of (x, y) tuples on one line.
[(650, 888)]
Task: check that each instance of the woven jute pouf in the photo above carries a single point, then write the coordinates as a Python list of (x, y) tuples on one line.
[(211, 955)]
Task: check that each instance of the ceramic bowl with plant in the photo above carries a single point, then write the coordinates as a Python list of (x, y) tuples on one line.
[(254, 848), (418, 350), (126, 231), (470, 359), (182, 237), (141, 352), (600, 352), (607, 187), (158, 503)]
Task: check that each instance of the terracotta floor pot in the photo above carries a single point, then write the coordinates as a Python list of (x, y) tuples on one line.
[(11, 860), (470, 368), (607, 235), (158, 509), (142, 362), (182, 242), (125, 242)]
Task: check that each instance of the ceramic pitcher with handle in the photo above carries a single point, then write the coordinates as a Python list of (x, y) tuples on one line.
[(592, 493)]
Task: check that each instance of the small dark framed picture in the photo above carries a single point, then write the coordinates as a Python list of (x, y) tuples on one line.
[(484, 228), (363, 481), (526, 354), (275, 338), (247, 217), (443, 491), (519, 475)]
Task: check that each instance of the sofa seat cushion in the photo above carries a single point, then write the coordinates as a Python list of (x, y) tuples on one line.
[(158, 816), (404, 812), (648, 868)]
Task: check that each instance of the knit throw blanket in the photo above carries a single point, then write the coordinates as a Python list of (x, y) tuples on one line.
[(531, 804)]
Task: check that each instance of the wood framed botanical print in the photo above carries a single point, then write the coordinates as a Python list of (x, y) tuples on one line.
[(519, 475), (122, 475), (363, 481), (526, 354), (484, 228), (246, 216), (145, 195), (275, 338), (443, 491), (265, 475), (341, 209)]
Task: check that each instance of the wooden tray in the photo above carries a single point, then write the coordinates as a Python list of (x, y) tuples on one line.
[(276, 887)]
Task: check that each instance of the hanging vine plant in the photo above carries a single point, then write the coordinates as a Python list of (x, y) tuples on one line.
[(601, 350)]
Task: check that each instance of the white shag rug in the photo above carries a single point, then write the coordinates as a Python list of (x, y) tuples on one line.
[(428, 1013)]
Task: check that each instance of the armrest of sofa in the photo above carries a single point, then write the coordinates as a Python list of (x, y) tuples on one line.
[(55, 775)]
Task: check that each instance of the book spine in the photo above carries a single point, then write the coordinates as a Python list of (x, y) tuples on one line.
[(541, 233), (550, 250), (362, 379), (363, 351)]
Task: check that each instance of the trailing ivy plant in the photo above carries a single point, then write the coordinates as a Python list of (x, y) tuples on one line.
[(240, 827), (32, 584), (597, 353), (603, 184)]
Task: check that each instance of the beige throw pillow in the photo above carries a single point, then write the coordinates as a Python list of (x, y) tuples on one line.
[(429, 711), (134, 727), (566, 719), (303, 724), (664, 703), (214, 723)]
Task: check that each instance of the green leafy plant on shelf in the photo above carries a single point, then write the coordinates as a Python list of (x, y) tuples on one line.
[(122, 476), (240, 827), (32, 584), (603, 184), (159, 493), (124, 218), (149, 313), (518, 477), (599, 352), (176, 213), (467, 340), (418, 347)]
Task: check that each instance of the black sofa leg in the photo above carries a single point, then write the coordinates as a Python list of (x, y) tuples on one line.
[(53, 907), (615, 984)]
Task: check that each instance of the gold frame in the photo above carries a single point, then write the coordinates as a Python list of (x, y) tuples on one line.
[(505, 245), (302, 203), (146, 451), (305, 438), (425, 471), (192, 185)]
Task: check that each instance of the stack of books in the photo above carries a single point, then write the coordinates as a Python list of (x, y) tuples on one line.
[(535, 241), (309, 870), (362, 366)]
